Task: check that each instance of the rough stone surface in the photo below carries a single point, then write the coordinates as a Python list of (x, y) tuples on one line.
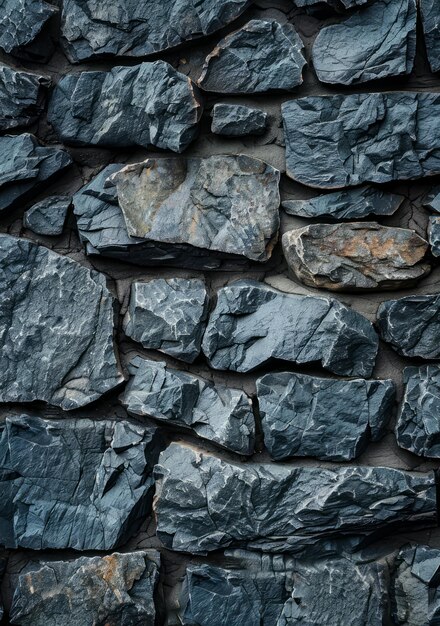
[(112, 589), (142, 105), (434, 235), (21, 97), (48, 216), (411, 325), (136, 29), (376, 42), (56, 328), (430, 13), (25, 165), (364, 137), (322, 417), (262, 56), (235, 120), (253, 323), (432, 199), (218, 413), (356, 256), (203, 503), (338, 4), (21, 22), (74, 483)]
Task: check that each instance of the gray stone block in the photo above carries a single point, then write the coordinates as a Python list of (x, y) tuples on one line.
[(48, 216), (21, 22), (430, 14), (22, 97), (235, 120)]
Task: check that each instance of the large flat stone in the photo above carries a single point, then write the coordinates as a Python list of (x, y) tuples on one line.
[(203, 503), (56, 328), (217, 413), (21, 97), (253, 323), (111, 589), (21, 24), (262, 56), (134, 29), (364, 137), (142, 105), (376, 42), (48, 216), (430, 14), (322, 417), (74, 483), (235, 120), (356, 256)]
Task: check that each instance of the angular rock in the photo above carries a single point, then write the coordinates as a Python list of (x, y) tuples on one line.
[(434, 235), (262, 56), (217, 413), (364, 137), (56, 328), (376, 42), (411, 325), (168, 315), (235, 120), (138, 29), (253, 323), (142, 105), (430, 13), (356, 256), (432, 200), (25, 166), (74, 483), (48, 216), (21, 97), (322, 417), (21, 23), (203, 503)]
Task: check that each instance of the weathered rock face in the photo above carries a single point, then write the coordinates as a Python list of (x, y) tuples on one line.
[(56, 328), (432, 200), (25, 166), (356, 256), (262, 56), (137, 29), (21, 97), (219, 414), (143, 105), (21, 22), (430, 13), (112, 589), (168, 315), (365, 137), (411, 325), (203, 503), (48, 216), (376, 42), (253, 323), (322, 417), (235, 120), (80, 483), (434, 235)]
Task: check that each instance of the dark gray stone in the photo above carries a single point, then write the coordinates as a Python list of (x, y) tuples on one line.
[(253, 323), (136, 29), (56, 328), (430, 13), (432, 200), (48, 216), (364, 137), (203, 503), (74, 483), (25, 166), (217, 413), (111, 589), (434, 235), (262, 56), (322, 417), (3, 563), (21, 97), (168, 314), (142, 105), (346, 204), (376, 42), (337, 4), (358, 256), (21, 24), (411, 325), (235, 120)]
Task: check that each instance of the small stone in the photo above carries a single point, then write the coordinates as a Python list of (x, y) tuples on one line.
[(346, 204), (203, 503), (21, 97), (217, 413), (74, 483), (430, 14), (142, 105), (356, 256), (56, 328), (432, 200), (322, 417), (376, 42), (25, 165), (434, 235), (411, 325), (235, 120), (21, 23), (363, 137), (262, 56), (109, 589), (48, 216), (253, 323)]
